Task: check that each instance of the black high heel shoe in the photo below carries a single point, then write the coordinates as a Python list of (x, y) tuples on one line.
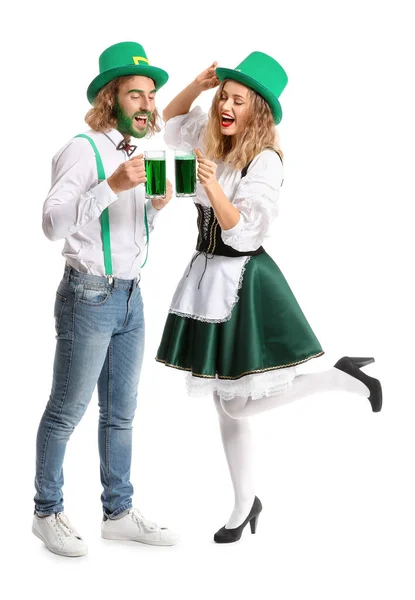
[(226, 536), (351, 365)]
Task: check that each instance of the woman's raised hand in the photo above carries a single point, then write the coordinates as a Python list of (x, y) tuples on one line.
[(207, 79)]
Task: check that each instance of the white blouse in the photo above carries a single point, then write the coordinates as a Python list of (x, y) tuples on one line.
[(211, 297)]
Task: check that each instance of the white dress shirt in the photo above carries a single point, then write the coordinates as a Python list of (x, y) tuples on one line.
[(76, 200)]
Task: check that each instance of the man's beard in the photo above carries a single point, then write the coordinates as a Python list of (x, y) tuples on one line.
[(125, 123)]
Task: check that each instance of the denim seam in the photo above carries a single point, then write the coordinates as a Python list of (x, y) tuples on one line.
[(59, 316), (47, 513), (129, 302), (97, 304), (69, 366), (108, 425), (102, 286), (122, 508)]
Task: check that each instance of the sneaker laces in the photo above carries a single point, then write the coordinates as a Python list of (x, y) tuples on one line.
[(63, 526), (143, 523)]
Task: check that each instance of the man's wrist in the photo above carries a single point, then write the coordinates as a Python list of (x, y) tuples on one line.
[(158, 204), (113, 187)]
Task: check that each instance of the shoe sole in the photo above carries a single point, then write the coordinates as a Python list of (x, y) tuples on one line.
[(55, 550), (120, 538)]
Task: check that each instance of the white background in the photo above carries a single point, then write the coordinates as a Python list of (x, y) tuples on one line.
[(336, 480)]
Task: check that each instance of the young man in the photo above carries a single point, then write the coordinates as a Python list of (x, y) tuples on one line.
[(97, 205)]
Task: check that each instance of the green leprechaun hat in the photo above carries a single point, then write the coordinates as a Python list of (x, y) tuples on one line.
[(125, 58), (264, 75)]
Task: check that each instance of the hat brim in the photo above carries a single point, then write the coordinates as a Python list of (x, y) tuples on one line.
[(159, 77), (250, 82)]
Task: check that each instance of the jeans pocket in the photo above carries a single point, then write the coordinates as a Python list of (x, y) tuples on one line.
[(93, 295), (60, 302)]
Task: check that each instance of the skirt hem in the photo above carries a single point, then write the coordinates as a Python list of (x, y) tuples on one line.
[(293, 364)]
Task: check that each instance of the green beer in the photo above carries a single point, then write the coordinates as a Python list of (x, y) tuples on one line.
[(185, 171), (155, 163)]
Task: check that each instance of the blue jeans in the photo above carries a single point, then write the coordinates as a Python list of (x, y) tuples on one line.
[(100, 340)]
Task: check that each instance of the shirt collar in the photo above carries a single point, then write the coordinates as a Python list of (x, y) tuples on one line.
[(115, 136)]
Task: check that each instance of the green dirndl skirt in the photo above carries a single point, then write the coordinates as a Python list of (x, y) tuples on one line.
[(267, 331)]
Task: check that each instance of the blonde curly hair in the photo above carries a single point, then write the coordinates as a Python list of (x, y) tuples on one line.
[(259, 132), (101, 117)]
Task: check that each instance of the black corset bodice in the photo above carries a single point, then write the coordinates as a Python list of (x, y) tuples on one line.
[(209, 240)]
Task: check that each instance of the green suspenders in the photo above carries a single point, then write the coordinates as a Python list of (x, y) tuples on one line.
[(105, 220)]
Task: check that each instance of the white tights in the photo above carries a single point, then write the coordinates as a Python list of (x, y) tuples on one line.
[(236, 434)]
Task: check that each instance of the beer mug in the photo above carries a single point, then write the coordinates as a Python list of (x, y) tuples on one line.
[(155, 163), (185, 171)]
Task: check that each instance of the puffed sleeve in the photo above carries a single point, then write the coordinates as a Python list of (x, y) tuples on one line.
[(256, 198), (185, 131)]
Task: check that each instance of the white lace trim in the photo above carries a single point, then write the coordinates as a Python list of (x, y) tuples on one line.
[(228, 317), (255, 386)]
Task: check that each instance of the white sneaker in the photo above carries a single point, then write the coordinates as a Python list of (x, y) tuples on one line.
[(58, 535), (134, 527)]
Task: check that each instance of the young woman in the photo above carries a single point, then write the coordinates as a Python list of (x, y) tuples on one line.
[(234, 324)]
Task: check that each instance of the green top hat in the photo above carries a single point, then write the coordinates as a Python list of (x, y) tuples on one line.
[(125, 58), (264, 75)]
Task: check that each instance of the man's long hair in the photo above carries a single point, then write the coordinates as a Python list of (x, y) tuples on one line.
[(259, 132), (101, 117)]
